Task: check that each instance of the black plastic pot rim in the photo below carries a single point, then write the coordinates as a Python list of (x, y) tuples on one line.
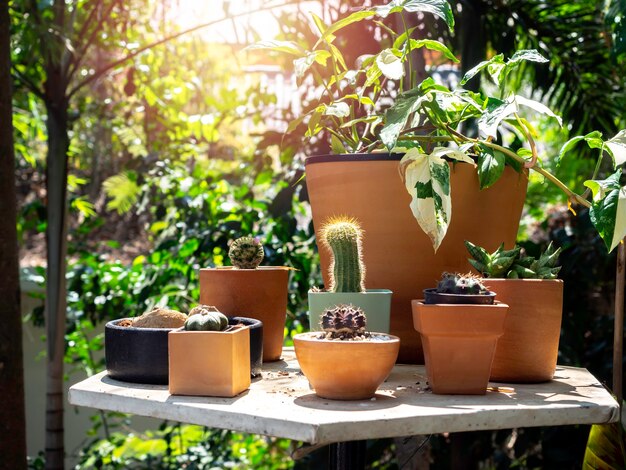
[(354, 157)]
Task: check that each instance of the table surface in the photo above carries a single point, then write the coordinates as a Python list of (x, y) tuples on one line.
[(283, 405)]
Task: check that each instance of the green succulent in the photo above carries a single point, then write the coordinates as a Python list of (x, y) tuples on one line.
[(206, 318), (495, 264), (544, 267), (246, 253), (347, 271)]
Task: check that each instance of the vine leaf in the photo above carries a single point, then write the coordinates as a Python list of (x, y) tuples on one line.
[(608, 209)]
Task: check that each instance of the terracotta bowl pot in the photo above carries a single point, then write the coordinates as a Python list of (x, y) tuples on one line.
[(345, 370), (136, 354)]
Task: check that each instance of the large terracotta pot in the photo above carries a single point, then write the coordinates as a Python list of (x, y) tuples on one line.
[(459, 344), (397, 253), (527, 351), (256, 293), (345, 370)]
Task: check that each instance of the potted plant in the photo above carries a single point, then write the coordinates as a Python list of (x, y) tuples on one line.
[(344, 361), (342, 236), (249, 290), (136, 349), (209, 357), (527, 351), (459, 338), (422, 132)]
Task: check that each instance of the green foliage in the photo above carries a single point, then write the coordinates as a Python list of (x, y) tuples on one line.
[(606, 447)]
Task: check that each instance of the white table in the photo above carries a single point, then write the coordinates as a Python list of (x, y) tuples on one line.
[(283, 405)]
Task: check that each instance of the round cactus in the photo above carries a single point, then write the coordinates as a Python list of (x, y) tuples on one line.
[(246, 253), (347, 271), (461, 284), (206, 318), (343, 322)]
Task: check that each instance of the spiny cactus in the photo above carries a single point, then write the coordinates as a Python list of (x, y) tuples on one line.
[(461, 284), (206, 318), (246, 253), (343, 322), (544, 267), (494, 264), (347, 271)]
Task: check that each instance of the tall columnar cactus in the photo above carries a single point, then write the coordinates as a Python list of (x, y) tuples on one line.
[(461, 284), (246, 253), (343, 322), (347, 271)]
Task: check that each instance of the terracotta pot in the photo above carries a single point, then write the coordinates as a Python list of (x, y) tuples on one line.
[(209, 363), (397, 253), (459, 344), (376, 304), (136, 354), (257, 293), (345, 370), (528, 350)]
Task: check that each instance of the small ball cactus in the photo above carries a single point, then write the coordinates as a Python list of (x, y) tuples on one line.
[(347, 271), (246, 253), (456, 283), (206, 318), (343, 322)]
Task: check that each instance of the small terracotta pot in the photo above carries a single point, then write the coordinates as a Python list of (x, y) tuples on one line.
[(528, 350), (345, 370), (257, 293), (459, 343), (209, 363), (136, 354), (376, 303)]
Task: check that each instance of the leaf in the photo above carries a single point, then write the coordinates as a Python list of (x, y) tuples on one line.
[(490, 167), (605, 448), (617, 147), (440, 8), (498, 69), (593, 140), (427, 180), (531, 55), (608, 209), (336, 145), (433, 46), (342, 23), (338, 108), (497, 59), (390, 64), (83, 206), (496, 112), (397, 115), (539, 107), (287, 47), (454, 154), (302, 64), (123, 190)]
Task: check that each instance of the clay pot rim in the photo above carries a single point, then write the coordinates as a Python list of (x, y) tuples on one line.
[(306, 336), (113, 325), (260, 268), (367, 291)]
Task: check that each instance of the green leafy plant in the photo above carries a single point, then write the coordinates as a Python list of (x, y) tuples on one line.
[(513, 264), (426, 120), (347, 271)]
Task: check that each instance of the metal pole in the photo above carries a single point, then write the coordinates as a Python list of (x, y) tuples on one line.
[(618, 337), (347, 455)]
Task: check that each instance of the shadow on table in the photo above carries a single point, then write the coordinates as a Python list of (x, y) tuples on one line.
[(379, 402)]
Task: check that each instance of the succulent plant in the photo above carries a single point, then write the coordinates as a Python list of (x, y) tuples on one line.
[(511, 264), (347, 271), (206, 318), (455, 283), (246, 253), (343, 322), (494, 264), (544, 267)]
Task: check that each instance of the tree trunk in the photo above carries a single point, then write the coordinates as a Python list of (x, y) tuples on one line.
[(56, 182), (12, 418)]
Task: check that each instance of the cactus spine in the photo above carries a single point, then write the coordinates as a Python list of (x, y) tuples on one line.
[(343, 322), (246, 253), (347, 271), (467, 284)]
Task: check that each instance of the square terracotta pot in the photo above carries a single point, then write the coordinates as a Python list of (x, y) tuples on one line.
[(209, 363), (459, 343)]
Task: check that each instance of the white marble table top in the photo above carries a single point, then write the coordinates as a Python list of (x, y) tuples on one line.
[(283, 405)]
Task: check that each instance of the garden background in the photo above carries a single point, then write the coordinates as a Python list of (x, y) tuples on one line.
[(169, 139)]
